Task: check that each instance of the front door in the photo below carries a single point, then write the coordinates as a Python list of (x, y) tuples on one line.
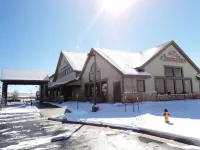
[(67, 93), (117, 91)]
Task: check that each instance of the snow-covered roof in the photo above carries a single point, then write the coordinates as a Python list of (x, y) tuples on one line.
[(19, 74), (127, 62), (148, 54), (75, 59)]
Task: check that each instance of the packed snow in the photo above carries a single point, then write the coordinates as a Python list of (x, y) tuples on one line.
[(23, 108), (184, 116)]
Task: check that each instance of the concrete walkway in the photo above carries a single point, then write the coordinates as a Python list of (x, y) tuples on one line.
[(48, 110)]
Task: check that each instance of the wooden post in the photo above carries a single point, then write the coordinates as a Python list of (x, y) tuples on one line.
[(41, 94), (44, 90), (95, 80), (4, 92)]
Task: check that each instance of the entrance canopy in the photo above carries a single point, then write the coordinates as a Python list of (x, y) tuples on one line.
[(24, 77)]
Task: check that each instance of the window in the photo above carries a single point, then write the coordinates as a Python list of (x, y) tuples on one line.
[(160, 86), (188, 86), (68, 70), (179, 86), (140, 86), (173, 72), (92, 72), (169, 72), (170, 86), (178, 72), (173, 82)]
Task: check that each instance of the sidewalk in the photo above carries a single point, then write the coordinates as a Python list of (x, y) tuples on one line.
[(48, 110)]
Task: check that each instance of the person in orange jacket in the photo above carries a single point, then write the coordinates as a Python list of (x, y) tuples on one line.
[(166, 114)]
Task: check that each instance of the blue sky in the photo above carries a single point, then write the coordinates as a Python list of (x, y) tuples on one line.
[(33, 32)]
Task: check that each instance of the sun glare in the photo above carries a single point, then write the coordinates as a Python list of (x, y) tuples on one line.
[(116, 6)]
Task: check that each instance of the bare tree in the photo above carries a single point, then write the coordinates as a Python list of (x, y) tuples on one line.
[(15, 95)]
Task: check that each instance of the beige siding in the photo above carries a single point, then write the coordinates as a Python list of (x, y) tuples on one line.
[(63, 65), (67, 78), (156, 68), (107, 71)]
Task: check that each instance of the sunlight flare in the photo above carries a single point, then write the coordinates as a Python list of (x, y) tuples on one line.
[(116, 6)]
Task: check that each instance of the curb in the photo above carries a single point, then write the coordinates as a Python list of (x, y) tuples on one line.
[(58, 119), (178, 138)]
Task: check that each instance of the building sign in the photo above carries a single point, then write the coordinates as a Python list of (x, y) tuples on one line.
[(173, 56)]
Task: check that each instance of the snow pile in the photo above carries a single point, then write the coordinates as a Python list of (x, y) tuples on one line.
[(184, 116)]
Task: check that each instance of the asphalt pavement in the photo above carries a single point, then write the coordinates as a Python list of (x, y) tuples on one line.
[(31, 131)]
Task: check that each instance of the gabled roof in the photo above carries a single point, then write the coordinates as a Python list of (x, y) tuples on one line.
[(125, 62), (75, 59), (128, 63), (146, 55), (28, 75)]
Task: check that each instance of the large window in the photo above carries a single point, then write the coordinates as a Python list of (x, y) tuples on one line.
[(140, 86), (173, 72), (170, 86), (173, 82), (169, 72), (178, 72), (179, 86), (188, 86), (160, 86)]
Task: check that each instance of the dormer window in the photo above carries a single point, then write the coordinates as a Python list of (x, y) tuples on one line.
[(68, 70)]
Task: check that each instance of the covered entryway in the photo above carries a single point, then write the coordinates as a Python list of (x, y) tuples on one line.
[(24, 77)]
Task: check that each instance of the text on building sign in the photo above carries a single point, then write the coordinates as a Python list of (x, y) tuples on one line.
[(173, 56)]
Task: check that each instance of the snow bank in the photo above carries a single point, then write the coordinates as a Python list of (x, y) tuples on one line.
[(184, 116)]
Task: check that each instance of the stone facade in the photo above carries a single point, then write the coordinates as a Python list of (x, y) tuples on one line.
[(152, 96)]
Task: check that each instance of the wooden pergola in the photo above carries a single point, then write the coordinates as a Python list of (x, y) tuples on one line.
[(24, 77)]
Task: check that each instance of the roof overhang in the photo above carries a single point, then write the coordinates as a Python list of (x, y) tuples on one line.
[(24, 82), (24, 77), (66, 83), (137, 76)]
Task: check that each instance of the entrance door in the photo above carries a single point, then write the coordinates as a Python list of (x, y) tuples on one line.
[(67, 93), (117, 91)]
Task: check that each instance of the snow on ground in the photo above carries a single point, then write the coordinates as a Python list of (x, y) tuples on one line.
[(184, 116), (22, 108)]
